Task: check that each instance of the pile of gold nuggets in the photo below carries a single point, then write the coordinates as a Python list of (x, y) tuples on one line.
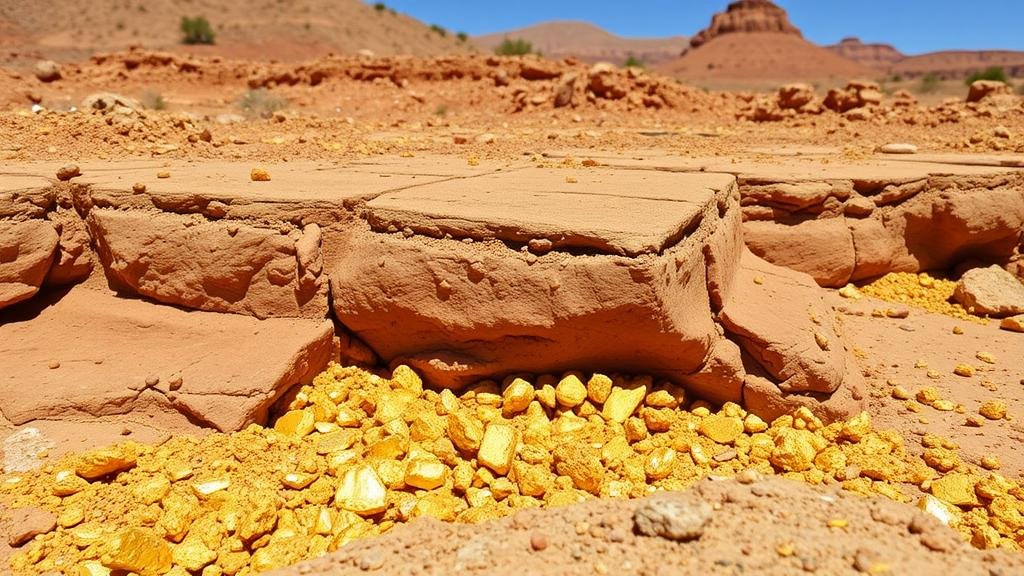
[(357, 454)]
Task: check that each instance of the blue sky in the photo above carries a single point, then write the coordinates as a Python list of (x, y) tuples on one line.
[(913, 26)]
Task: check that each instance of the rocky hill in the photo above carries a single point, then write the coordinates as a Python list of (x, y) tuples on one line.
[(589, 43), (259, 30), (746, 16), (753, 40)]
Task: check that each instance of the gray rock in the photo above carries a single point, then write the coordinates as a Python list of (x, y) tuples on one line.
[(672, 516), (992, 291)]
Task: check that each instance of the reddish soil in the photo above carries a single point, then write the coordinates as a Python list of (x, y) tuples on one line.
[(773, 527)]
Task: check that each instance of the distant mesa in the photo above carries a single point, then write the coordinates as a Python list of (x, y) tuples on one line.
[(746, 16), (754, 41), (875, 55)]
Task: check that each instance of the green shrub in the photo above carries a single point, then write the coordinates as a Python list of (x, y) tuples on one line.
[(462, 36), (517, 47), (990, 73), (380, 7), (260, 102), (633, 62), (196, 31), (929, 83), (439, 29)]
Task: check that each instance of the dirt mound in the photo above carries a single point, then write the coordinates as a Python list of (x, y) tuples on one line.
[(282, 31), (718, 527), (746, 16), (588, 43), (880, 56), (752, 56)]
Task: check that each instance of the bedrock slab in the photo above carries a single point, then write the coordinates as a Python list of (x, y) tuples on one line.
[(87, 354), (842, 219), (616, 270)]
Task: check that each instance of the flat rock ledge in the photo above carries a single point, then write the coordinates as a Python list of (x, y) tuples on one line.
[(464, 272)]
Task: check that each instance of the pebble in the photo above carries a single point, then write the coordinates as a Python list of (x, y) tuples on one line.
[(538, 542), (67, 172), (898, 148), (259, 175), (371, 561), (672, 517), (163, 174), (53, 364), (139, 188)]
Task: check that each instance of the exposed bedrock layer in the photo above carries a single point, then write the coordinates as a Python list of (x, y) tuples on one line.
[(872, 228), (465, 272), (467, 296), (851, 220)]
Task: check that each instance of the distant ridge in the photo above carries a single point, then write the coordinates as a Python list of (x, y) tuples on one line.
[(588, 42)]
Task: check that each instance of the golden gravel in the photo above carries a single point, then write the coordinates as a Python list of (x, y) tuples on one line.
[(919, 290), (357, 454)]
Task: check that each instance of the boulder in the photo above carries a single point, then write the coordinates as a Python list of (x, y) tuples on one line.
[(26, 253), (980, 89), (605, 81), (47, 71), (795, 95), (990, 291)]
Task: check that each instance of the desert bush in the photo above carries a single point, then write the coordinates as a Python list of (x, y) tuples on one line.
[(439, 29), (153, 100), (260, 102), (380, 6), (196, 31), (929, 83), (462, 36), (990, 73), (517, 47), (633, 62)]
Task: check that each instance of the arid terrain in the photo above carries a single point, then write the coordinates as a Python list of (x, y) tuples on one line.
[(392, 303)]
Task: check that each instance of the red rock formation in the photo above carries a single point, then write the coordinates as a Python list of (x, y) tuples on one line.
[(746, 16)]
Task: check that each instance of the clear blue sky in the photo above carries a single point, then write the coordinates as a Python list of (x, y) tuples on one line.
[(913, 26)]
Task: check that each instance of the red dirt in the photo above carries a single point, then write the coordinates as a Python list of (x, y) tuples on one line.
[(773, 527)]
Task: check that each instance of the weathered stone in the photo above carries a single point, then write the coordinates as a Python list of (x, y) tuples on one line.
[(23, 524), (992, 291), (672, 516), (26, 253)]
